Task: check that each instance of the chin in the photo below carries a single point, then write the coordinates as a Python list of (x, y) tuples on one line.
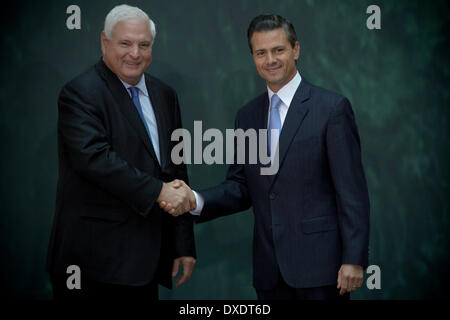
[(133, 75), (275, 80)]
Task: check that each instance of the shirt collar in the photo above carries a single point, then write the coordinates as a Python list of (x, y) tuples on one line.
[(140, 85), (287, 92)]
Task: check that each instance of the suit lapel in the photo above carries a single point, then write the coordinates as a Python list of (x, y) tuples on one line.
[(162, 120), (126, 106), (263, 116), (294, 118)]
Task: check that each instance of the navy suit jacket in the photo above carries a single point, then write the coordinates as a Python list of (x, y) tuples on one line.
[(313, 215)]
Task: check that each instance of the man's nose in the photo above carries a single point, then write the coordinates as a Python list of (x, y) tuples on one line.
[(134, 51), (270, 58)]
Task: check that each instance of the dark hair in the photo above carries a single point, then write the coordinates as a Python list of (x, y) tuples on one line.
[(268, 22)]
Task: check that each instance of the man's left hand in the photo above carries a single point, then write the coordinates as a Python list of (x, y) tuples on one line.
[(188, 266), (350, 278)]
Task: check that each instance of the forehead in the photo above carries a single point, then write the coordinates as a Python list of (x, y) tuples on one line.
[(269, 39), (132, 28)]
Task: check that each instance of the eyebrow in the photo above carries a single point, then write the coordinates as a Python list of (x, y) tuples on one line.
[(274, 48), (140, 42)]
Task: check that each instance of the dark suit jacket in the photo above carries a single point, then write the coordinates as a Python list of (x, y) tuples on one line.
[(313, 215), (107, 220)]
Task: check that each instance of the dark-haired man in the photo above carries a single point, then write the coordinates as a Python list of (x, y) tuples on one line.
[(312, 217)]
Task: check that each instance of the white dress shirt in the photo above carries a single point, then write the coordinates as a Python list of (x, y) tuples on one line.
[(286, 94), (147, 111)]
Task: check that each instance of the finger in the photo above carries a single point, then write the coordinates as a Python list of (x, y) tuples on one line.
[(361, 280), (187, 206), (193, 205), (181, 182), (187, 271), (174, 212), (179, 208), (192, 201), (344, 284), (356, 280), (177, 183), (360, 283), (184, 204), (339, 280), (355, 283), (166, 207), (182, 279), (175, 267), (178, 212)]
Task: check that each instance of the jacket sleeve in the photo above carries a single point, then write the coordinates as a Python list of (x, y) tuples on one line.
[(231, 196), (84, 142), (352, 198)]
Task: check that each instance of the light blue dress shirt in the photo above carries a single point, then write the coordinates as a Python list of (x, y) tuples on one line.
[(286, 94), (147, 111)]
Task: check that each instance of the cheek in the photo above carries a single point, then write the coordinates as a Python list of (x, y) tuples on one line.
[(259, 66), (120, 53)]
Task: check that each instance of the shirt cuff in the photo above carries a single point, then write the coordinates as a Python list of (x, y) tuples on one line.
[(200, 203)]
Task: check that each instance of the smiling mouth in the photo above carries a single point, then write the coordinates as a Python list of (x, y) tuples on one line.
[(131, 64), (273, 70)]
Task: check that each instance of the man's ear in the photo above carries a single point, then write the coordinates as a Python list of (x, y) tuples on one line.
[(104, 42), (297, 50)]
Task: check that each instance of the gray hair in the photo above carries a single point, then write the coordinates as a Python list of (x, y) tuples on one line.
[(124, 12)]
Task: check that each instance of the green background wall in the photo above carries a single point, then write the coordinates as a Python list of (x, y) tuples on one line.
[(397, 79)]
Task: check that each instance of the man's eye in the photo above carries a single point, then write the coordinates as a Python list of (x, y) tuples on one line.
[(145, 45)]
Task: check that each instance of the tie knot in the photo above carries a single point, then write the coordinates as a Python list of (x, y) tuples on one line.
[(134, 91), (275, 101)]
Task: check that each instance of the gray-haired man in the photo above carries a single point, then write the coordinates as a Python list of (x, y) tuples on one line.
[(114, 145)]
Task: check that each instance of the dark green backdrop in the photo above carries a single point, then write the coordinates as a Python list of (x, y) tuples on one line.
[(397, 79)]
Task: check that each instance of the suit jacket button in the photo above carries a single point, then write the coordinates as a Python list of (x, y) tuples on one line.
[(272, 196)]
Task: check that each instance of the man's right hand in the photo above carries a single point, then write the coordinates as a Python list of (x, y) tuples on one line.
[(176, 198)]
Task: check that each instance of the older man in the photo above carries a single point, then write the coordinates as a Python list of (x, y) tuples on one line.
[(114, 145)]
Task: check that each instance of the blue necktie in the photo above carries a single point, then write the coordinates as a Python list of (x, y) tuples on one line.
[(135, 97), (274, 123)]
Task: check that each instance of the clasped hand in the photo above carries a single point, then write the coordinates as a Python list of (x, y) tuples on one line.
[(176, 198)]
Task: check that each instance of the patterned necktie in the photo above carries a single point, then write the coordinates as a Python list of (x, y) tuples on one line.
[(135, 96), (274, 124)]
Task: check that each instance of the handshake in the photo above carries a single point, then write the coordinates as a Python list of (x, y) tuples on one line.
[(176, 198)]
